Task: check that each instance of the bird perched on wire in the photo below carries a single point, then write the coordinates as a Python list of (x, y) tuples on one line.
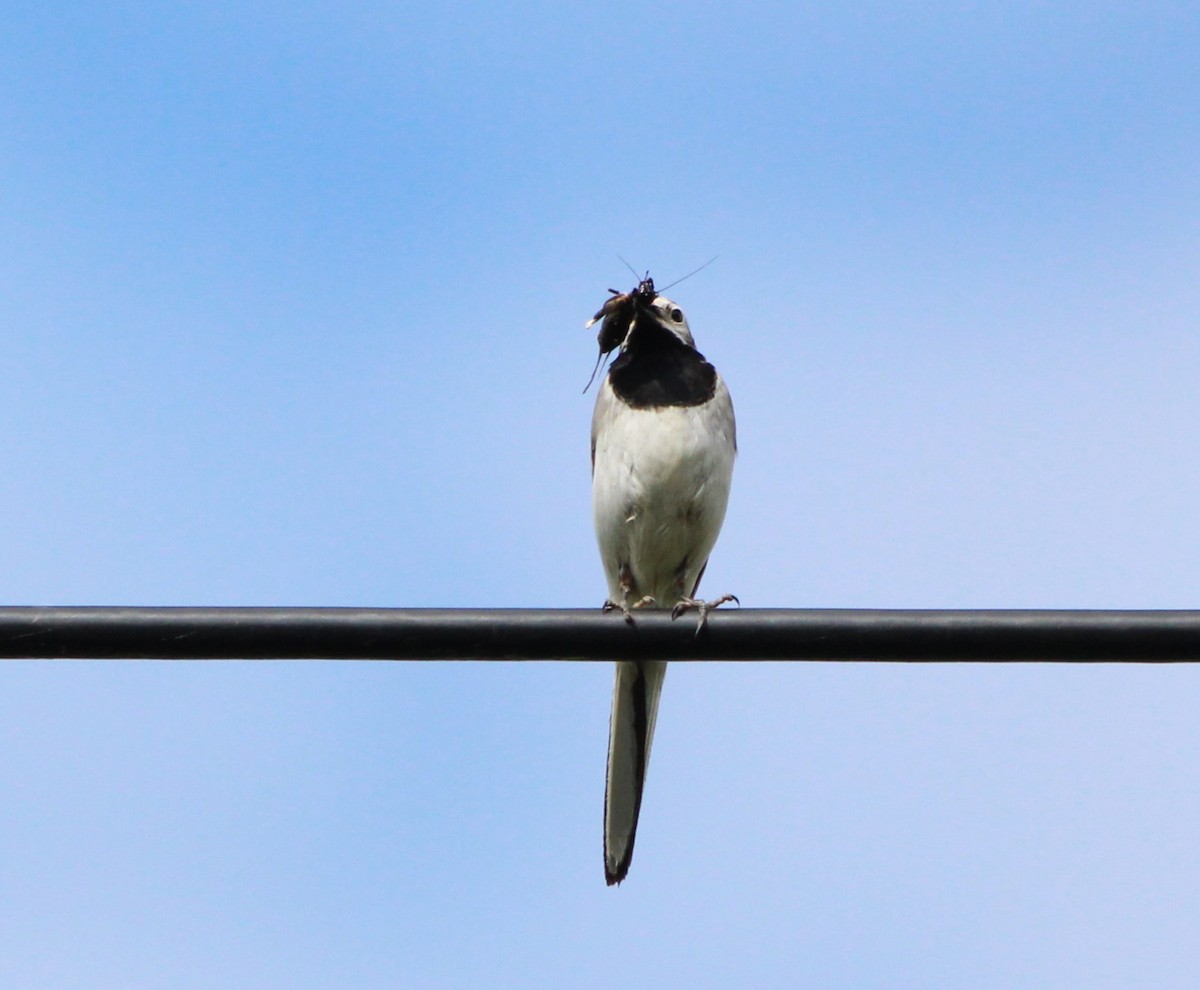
[(663, 444)]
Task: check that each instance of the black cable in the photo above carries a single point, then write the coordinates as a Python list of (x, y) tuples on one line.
[(115, 632)]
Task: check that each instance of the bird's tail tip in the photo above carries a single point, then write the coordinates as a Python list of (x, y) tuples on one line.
[(614, 874)]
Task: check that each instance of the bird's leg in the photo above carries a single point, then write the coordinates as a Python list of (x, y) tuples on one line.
[(626, 578), (687, 604)]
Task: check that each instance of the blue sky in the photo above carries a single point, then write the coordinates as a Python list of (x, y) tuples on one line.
[(292, 303)]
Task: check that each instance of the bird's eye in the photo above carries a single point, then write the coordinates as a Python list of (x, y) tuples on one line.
[(677, 315)]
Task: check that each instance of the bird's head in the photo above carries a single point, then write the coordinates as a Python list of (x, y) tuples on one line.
[(623, 311)]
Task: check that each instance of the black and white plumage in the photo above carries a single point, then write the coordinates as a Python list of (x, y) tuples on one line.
[(663, 445)]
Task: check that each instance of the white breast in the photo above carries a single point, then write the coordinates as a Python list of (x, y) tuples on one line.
[(660, 486)]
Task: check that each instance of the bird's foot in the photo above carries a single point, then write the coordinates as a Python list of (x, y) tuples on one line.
[(703, 607), (627, 610)]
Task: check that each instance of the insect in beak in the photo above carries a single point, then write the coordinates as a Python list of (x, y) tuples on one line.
[(617, 313), (610, 306)]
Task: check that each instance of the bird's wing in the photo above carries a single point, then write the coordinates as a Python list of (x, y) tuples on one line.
[(601, 414)]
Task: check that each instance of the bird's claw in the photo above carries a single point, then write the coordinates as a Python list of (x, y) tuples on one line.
[(627, 610), (703, 607)]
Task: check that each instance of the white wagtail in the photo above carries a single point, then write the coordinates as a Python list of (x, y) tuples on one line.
[(663, 444)]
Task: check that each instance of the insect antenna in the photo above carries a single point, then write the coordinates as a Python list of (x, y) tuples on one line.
[(685, 277), (627, 265)]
